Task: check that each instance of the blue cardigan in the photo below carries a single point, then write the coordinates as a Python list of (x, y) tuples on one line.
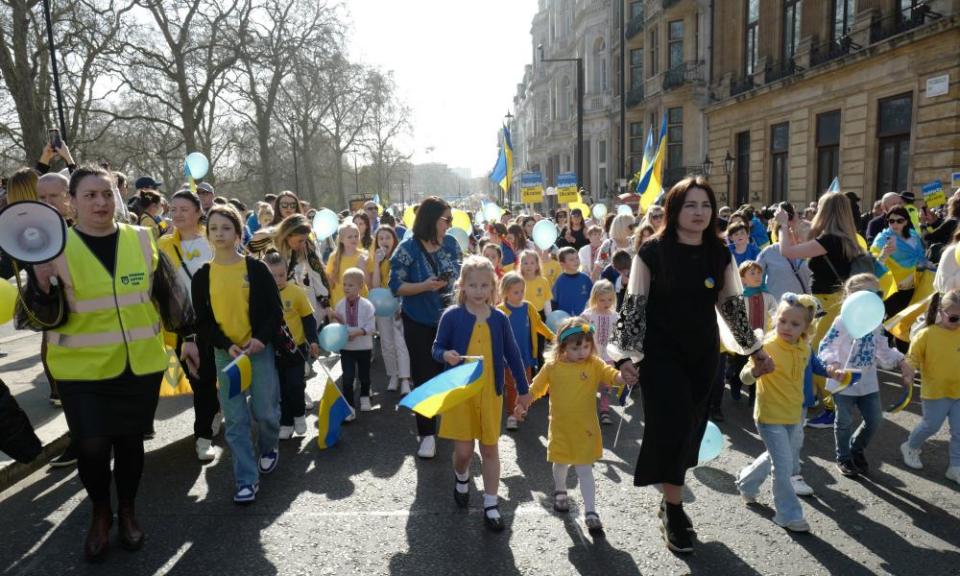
[(452, 334), (409, 264)]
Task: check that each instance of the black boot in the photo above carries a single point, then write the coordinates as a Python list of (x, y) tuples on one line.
[(98, 538), (131, 535), (686, 519), (674, 530)]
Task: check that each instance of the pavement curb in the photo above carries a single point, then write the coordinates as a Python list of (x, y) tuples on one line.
[(15, 471), (20, 335)]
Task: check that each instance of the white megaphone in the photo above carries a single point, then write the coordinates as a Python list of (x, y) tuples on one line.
[(32, 232)]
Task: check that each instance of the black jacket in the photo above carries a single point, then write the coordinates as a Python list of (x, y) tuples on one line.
[(266, 311)]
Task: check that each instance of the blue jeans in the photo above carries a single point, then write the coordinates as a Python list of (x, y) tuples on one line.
[(265, 393), (783, 443), (855, 442), (934, 413)]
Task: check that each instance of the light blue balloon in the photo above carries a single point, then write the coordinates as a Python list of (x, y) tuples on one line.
[(492, 212), (460, 235), (861, 313), (384, 303), (599, 211), (555, 318), (333, 337), (325, 223), (624, 209), (711, 445), (544, 234), (196, 165)]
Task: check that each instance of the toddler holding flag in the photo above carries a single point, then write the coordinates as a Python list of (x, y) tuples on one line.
[(572, 374), (474, 327)]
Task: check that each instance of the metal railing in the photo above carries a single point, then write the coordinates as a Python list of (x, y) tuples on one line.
[(780, 70), (634, 96), (634, 25), (827, 51), (902, 20), (682, 74), (741, 85)]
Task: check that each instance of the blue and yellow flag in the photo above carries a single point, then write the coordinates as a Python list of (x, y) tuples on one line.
[(834, 185), (502, 173), (650, 185), (239, 374), (332, 412), (445, 390)]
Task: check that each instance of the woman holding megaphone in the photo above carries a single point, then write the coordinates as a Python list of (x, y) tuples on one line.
[(108, 355)]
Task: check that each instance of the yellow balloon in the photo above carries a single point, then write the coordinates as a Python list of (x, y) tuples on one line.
[(461, 220), (8, 301), (584, 209), (408, 217)]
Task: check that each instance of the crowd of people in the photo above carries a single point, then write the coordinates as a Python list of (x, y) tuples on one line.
[(688, 293)]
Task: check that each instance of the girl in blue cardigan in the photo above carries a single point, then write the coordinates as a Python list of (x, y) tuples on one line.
[(478, 419)]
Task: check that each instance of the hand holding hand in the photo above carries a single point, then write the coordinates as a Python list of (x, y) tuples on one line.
[(519, 412), (629, 373), (235, 351)]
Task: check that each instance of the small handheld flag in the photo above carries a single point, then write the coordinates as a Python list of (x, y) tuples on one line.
[(238, 374), (835, 185), (850, 377), (445, 390), (333, 410)]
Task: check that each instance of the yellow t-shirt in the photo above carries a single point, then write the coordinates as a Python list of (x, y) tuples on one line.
[(230, 300), (537, 292), (550, 270), (296, 305), (780, 393), (935, 352), (346, 262), (574, 432), (384, 271)]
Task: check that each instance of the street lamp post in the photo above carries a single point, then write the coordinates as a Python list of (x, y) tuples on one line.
[(579, 62), (728, 166), (707, 166)]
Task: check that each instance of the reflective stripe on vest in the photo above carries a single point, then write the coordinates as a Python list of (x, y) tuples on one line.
[(112, 322)]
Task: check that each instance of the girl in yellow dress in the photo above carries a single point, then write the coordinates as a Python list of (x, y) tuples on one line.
[(572, 374), (347, 255), (474, 327)]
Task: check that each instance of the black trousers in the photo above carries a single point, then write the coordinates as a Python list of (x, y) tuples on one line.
[(355, 363), (419, 338), (293, 384), (204, 384)]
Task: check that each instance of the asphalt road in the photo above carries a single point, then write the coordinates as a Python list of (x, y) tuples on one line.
[(368, 506)]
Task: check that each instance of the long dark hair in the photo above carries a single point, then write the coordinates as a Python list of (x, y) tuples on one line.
[(277, 218), (367, 238), (902, 212), (668, 238), (425, 223)]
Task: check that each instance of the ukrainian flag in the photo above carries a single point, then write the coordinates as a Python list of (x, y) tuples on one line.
[(239, 374), (446, 390), (650, 185), (834, 185), (332, 412), (503, 170), (850, 377)]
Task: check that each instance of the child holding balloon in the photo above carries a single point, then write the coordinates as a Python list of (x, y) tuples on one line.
[(396, 359), (358, 314), (860, 353), (779, 406)]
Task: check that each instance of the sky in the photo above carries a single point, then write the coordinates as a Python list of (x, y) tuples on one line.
[(456, 64)]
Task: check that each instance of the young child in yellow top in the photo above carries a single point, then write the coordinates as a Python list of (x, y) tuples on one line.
[(779, 407), (935, 352), (396, 358), (550, 265), (527, 326), (572, 374), (298, 315), (347, 255), (536, 289)]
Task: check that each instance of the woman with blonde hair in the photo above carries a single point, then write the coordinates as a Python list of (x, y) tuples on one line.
[(831, 248), (22, 186), (621, 230), (294, 241)]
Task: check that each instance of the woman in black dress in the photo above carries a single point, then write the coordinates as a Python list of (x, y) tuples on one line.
[(679, 278), (574, 233)]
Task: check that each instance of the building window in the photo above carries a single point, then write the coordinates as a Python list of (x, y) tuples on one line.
[(743, 168), (636, 10), (674, 139), (791, 27), (893, 132), (636, 68), (751, 49), (674, 44), (843, 13), (636, 146), (779, 147), (654, 52), (828, 149)]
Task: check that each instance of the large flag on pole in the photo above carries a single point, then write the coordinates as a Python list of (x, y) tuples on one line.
[(649, 187), (502, 173)]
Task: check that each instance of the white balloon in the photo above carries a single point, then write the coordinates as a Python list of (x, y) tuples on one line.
[(624, 209)]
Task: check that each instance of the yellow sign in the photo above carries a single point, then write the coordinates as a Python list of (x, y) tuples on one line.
[(532, 195)]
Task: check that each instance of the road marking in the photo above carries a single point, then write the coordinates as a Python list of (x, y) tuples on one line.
[(165, 569)]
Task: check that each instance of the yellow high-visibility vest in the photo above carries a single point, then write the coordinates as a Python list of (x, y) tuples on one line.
[(112, 322)]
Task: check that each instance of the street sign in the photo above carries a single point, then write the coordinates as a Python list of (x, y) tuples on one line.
[(567, 187), (531, 187), (933, 194)]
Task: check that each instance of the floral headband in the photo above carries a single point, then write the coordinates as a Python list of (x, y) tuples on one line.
[(805, 300), (576, 329)]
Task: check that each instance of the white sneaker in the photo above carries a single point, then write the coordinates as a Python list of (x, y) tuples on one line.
[(393, 384), (748, 498), (428, 447), (205, 451), (365, 404), (307, 401), (286, 432), (794, 526), (800, 487), (404, 386), (512, 423), (217, 423), (911, 457), (953, 473), (300, 425)]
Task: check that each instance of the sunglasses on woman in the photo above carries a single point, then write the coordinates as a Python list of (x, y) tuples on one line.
[(290, 205)]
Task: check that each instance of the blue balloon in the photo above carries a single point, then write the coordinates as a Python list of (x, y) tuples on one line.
[(861, 313), (624, 209), (333, 337), (460, 235), (325, 223), (544, 234), (711, 445), (492, 212), (384, 303), (196, 165), (555, 318)]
